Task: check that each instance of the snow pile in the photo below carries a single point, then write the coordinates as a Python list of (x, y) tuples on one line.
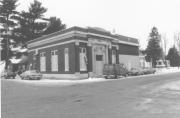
[(22, 59), (61, 82), (168, 70), (14, 60), (19, 49)]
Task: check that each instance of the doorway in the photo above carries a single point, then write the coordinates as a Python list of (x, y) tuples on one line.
[(99, 59)]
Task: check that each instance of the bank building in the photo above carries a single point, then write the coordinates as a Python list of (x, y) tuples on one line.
[(77, 53)]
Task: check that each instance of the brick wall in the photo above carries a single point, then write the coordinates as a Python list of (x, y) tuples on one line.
[(128, 49), (61, 61)]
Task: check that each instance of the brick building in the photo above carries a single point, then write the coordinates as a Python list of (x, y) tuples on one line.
[(77, 52)]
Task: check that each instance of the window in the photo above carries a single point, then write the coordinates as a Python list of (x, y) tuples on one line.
[(83, 59), (82, 50), (52, 52), (113, 56), (42, 54), (114, 52), (160, 63), (66, 59), (54, 60), (99, 57), (42, 62)]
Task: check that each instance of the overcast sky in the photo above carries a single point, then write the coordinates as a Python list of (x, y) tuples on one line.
[(133, 18)]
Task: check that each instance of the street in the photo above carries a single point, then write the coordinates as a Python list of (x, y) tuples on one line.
[(138, 97)]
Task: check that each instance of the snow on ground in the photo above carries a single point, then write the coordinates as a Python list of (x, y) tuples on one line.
[(59, 82), (167, 70)]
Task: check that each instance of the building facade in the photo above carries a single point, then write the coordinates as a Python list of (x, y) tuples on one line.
[(77, 52)]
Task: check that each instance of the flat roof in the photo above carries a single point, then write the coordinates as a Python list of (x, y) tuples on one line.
[(89, 31)]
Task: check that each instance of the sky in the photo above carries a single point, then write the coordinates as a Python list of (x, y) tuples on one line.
[(133, 18)]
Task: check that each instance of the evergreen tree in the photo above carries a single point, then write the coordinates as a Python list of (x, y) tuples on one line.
[(31, 23), (54, 25), (173, 57), (7, 11), (153, 50)]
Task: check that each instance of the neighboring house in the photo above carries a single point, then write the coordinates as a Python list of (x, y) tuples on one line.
[(143, 62), (162, 63), (81, 52)]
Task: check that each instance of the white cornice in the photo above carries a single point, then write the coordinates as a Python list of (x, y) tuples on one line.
[(48, 46), (75, 33), (61, 43), (52, 39)]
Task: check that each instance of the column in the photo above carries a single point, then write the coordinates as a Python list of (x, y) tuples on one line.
[(110, 54), (38, 61), (117, 55)]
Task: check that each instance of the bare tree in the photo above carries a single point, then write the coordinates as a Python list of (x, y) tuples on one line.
[(164, 47), (164, 42), (177, 40)]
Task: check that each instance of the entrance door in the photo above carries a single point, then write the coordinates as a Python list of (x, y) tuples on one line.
[(99, 64), (113, 56), (99, 54)]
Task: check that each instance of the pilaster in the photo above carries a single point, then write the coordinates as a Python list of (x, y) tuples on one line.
[(110, 54), (77, 66), (89, 56)]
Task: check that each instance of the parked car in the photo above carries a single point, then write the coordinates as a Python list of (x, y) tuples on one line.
[(120, 70), (31, 75), (149, 71), (108, 71), (135, 72), (114, 71), (9, 74)]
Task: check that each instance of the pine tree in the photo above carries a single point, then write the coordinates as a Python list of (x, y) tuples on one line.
[(153, 50), (173, 57), (31, 23), (54, 25), (7, 11)]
